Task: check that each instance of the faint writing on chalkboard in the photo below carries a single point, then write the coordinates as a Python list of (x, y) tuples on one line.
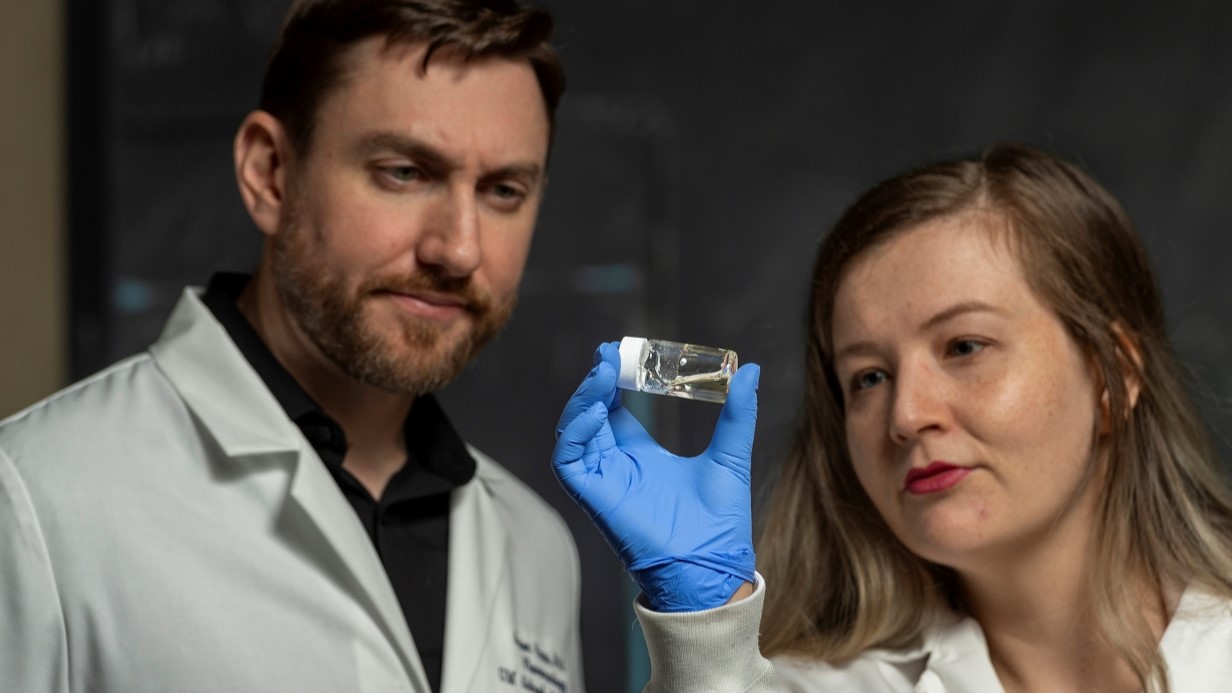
[(180, 63)]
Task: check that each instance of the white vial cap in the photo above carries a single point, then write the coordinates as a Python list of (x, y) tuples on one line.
[(630, 362)]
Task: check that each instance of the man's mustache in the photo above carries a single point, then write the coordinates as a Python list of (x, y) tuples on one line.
[(472, 297)]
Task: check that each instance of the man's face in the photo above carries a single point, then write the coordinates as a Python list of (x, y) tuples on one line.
[(407, 224)]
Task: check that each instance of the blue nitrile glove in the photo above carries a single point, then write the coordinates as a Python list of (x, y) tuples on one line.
[(682, 527), (593, 389)]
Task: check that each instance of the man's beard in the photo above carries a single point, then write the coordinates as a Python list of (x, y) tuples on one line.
[(412, 360)]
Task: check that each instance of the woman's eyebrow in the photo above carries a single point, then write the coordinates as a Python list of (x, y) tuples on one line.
[(939, 318), (960, 309)]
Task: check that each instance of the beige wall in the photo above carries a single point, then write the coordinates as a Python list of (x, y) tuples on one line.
[(33, 293)]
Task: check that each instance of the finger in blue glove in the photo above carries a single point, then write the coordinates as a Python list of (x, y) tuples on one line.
[(595, 387), (682, 527)]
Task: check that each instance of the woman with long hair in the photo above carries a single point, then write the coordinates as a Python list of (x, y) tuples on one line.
[(998, 483)]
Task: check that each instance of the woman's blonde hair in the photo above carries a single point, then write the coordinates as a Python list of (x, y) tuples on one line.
[(843, 583)]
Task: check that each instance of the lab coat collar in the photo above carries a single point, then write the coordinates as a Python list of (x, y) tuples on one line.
[(247, 423), (219, 385), (958, 661), (950, 657), (953, 657)]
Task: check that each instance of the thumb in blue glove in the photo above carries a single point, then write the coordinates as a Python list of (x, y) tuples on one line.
[(682, 527)]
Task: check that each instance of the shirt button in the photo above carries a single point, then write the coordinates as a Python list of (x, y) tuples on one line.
[(320, 434)]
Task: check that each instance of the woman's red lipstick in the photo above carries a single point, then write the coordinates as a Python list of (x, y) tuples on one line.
[(934, 478)]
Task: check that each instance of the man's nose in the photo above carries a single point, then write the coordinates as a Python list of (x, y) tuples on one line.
[(451, 240)]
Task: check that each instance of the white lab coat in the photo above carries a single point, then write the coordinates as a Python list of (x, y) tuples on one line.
[(165, 527), (716, 650)]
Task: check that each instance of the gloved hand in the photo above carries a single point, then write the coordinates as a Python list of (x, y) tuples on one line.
[(682, 527)]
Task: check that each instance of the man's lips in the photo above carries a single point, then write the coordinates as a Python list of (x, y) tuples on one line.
[(935, 478), (429, 304)]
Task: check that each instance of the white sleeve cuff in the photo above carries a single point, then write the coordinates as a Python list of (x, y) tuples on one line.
[(711, 650)]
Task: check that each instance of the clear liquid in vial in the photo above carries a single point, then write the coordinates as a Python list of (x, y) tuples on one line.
[(676, 369)]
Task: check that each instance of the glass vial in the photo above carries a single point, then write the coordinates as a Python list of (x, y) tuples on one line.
[(672, 368)]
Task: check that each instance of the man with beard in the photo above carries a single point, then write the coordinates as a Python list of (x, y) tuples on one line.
[(270, 499)]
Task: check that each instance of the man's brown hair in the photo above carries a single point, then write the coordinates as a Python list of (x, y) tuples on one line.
[(308, 59)]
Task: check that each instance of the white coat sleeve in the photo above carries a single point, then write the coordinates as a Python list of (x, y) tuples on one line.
[(706, 651), (33, 644)]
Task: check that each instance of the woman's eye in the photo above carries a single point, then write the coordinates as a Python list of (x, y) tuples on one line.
[(966, 347), (867, 380)]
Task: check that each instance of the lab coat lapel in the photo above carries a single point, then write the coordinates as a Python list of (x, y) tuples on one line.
[(315, 492), (959, 662), (478, 544), (219, 386), (244, 418)]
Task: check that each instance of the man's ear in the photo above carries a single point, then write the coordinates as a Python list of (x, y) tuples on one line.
[(262, 151), (1132, 365)]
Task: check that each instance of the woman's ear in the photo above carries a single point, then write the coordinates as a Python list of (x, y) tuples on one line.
[(262, 150), (1132, 365)]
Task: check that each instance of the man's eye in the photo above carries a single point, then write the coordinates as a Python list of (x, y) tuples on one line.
[(507, 197), (506, 192), (402, 174)]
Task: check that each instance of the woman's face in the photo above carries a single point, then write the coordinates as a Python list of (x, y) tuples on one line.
[(970, 411)]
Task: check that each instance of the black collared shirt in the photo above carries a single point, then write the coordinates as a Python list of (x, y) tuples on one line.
[(409, 524)]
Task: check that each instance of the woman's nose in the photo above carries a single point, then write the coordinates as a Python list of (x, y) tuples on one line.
[(918, 402)]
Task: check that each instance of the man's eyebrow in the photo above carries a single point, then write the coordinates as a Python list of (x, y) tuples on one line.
[(434, 158), (527, 172), (419, 150), (941, 317)]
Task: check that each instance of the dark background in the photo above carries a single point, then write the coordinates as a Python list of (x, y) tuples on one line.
[(703, 148)]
